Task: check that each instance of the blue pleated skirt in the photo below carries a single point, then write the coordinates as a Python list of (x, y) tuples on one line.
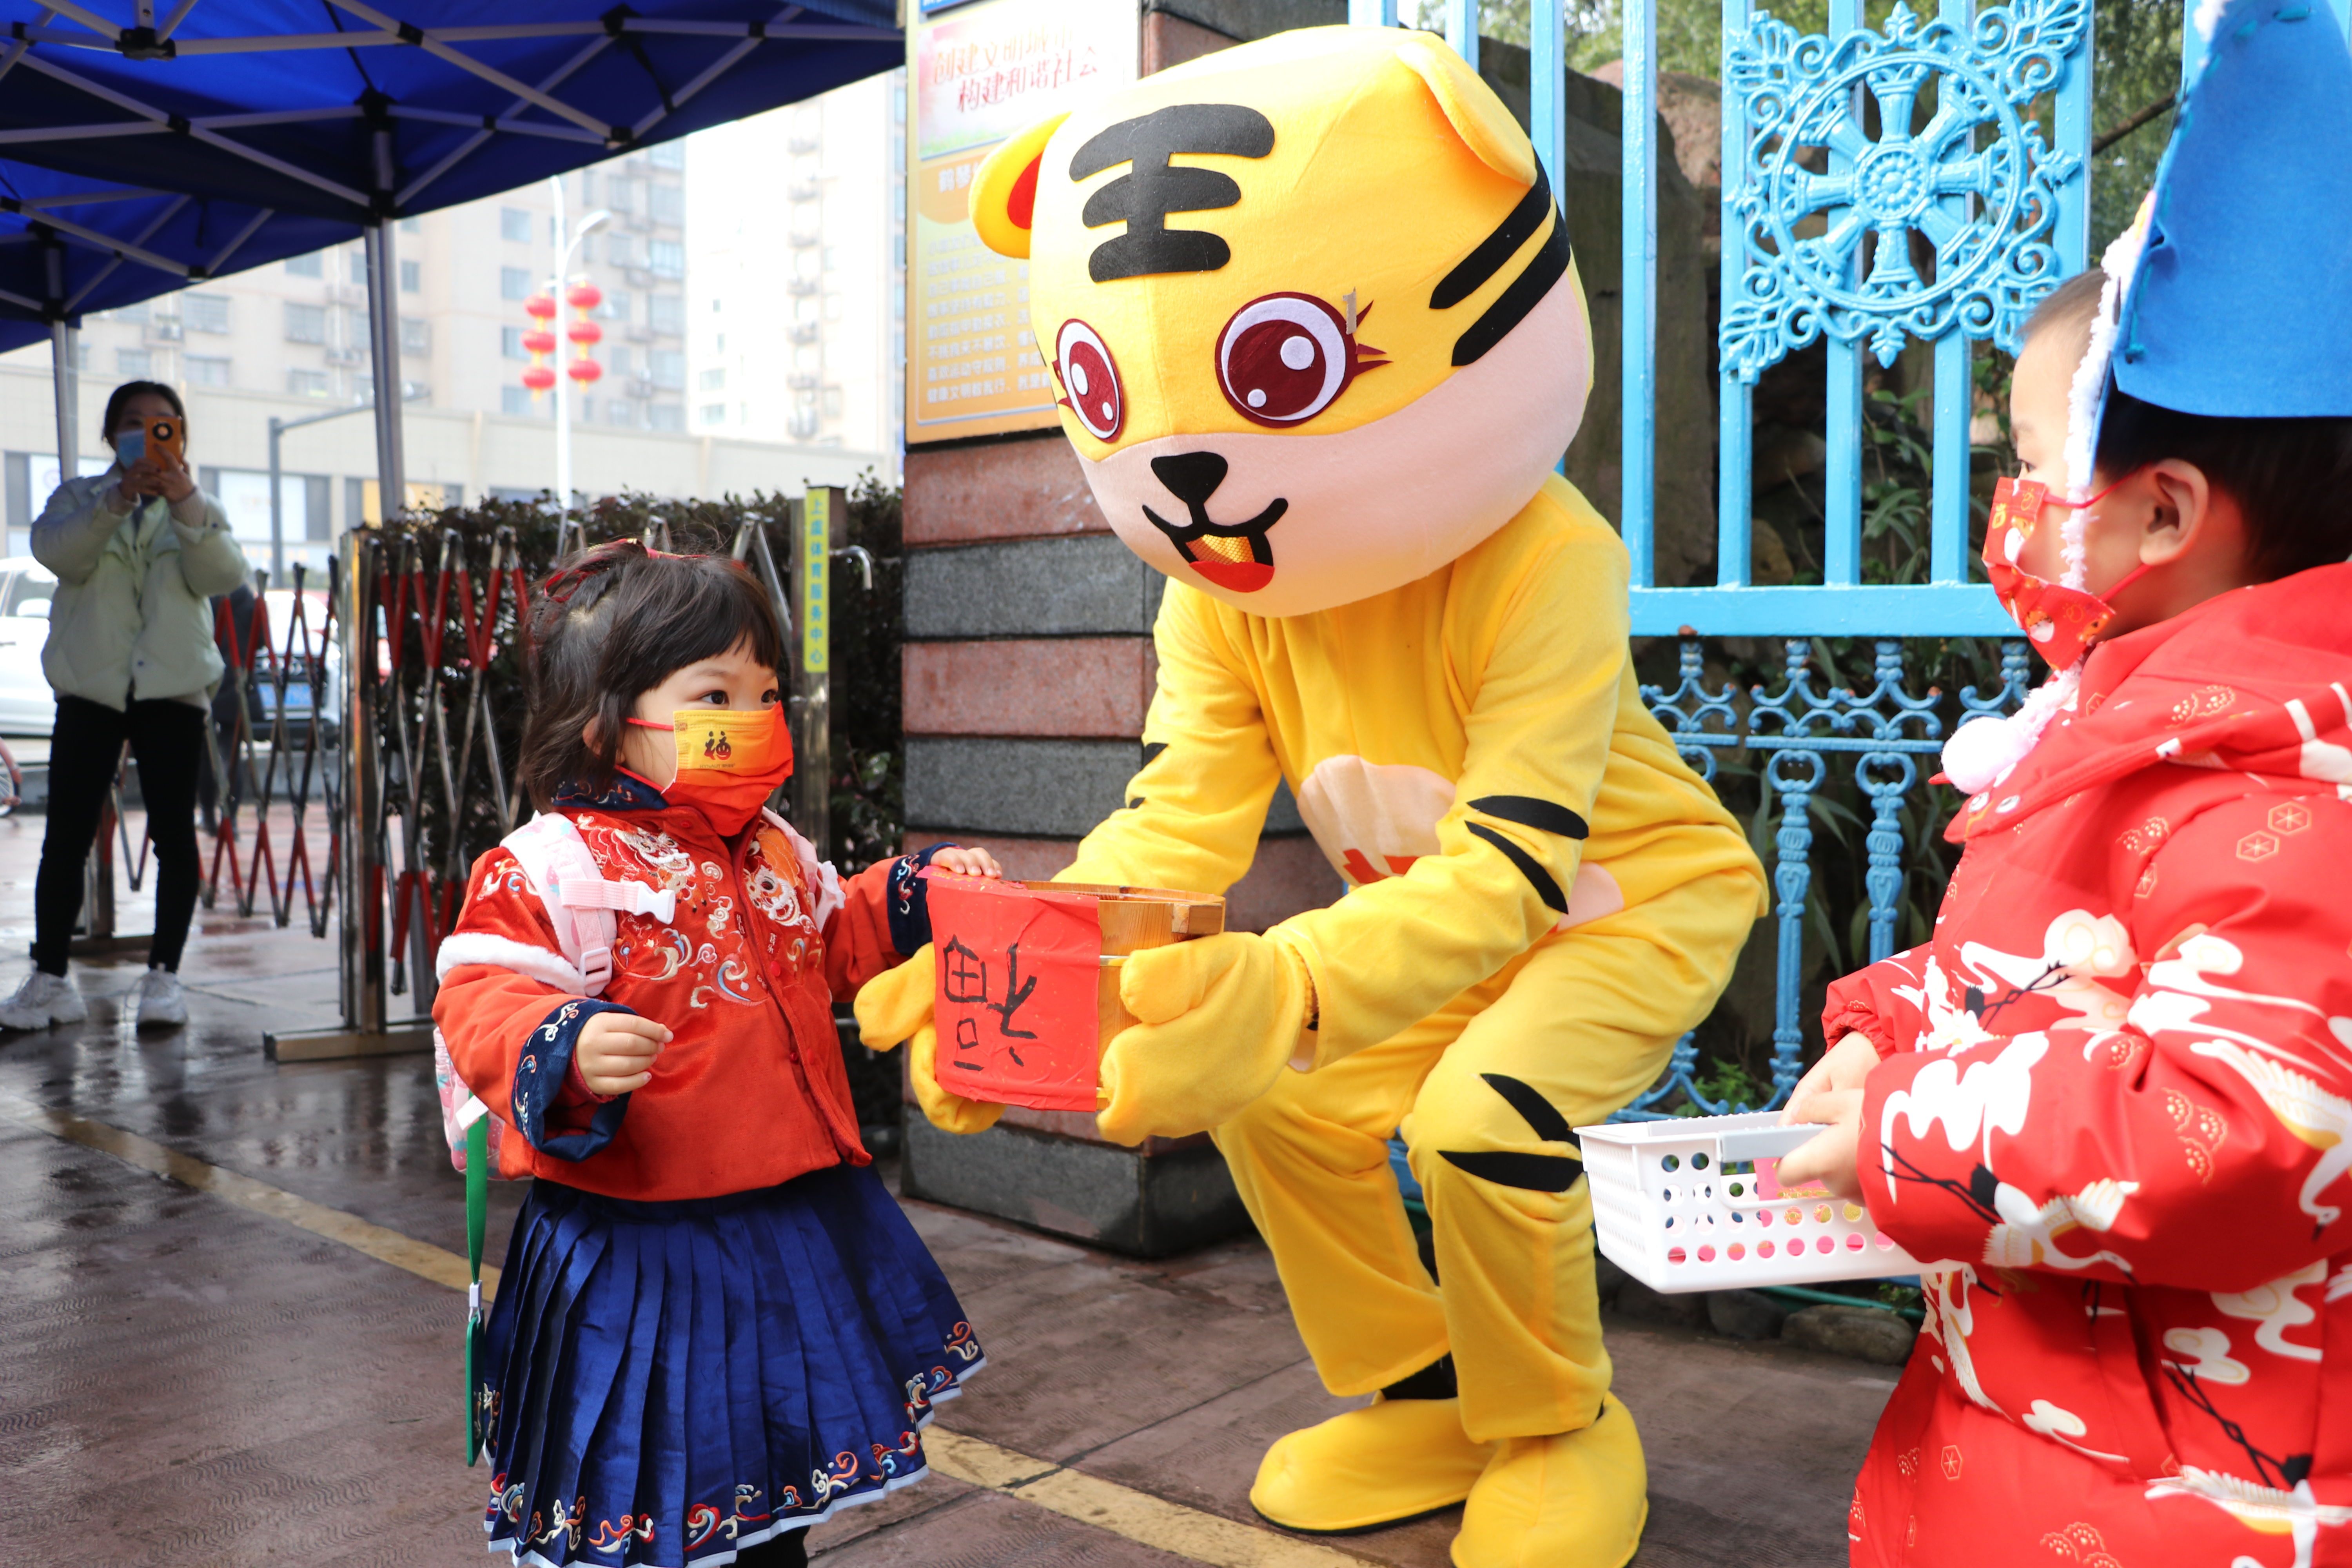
[(669, 1383)]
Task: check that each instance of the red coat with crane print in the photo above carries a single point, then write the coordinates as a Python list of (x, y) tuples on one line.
[(750, 1091), (2116, 1101)]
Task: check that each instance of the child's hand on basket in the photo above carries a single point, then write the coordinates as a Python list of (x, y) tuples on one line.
[(1830, 1094), (615, 1052)]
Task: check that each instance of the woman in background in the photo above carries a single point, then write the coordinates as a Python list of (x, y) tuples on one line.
[(139, 551)]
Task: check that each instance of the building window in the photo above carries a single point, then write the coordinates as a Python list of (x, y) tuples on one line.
[(357, 259), (713, 380), (133, 365), (355, 329), (412, 226), (714, 414), (415, 336), (514, 224), (587, 410), (622, 413), (306, 323), (587, 189), (616, 250), (203, 371), (668, 155), (667, 257), (621, 196), (832, 257), (833, 403), (138, 312), (615, 307), (308, 382), (667, 313), (515, 400), (310, 265), (511, 343), (411, 277), (616, 358), (668, 367), (205, 312), (666, 202), (666, 416), (514, 282)]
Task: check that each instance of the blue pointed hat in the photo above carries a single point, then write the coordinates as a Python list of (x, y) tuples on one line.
[(2240, 306), (2230, 296)]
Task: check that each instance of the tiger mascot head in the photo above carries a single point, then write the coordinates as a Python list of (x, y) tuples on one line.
[(1312, 306)]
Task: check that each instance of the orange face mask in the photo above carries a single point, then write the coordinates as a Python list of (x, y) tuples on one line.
[(730, 761)]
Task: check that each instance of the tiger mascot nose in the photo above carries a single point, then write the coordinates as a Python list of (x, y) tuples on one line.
[(1191, 476)]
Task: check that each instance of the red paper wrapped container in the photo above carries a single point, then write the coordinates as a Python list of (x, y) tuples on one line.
[(1028, 980)]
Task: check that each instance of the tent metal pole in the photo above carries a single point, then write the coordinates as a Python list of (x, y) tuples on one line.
[(65, 386), (383, 357)]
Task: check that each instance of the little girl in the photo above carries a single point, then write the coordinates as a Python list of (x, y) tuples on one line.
[(715, 1327)]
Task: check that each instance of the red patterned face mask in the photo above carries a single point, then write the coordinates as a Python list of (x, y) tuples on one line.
[(730, 761), (2060, 620)]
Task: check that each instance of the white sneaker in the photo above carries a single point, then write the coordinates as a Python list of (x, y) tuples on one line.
[(161, 1003), (41, 1001)]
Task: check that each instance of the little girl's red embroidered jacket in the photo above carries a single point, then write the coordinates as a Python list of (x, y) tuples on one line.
[(750, 1091), (2116, 1098)]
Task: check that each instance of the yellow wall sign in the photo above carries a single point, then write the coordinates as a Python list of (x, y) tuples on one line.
[(978, 74)]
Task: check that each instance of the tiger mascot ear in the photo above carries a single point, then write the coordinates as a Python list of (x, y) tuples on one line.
[(1470, 106), (1004, 190)]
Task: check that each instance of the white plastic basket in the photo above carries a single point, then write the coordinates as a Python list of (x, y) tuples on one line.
[(1692, 1204)]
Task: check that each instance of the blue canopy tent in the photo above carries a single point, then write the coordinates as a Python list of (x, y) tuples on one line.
[(141, 152)]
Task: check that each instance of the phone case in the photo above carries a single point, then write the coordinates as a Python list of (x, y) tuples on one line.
[(165, 433)]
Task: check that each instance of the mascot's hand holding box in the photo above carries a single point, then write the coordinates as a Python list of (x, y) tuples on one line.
[(1320, 341)]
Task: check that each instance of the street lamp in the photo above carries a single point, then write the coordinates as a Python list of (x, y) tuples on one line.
[(410, 392), (564, 247)]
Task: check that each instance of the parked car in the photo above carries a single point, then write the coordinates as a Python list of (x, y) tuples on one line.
[(316, 648), (28, 706)]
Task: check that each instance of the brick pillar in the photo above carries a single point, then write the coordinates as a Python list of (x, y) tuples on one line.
[(1028, 666)]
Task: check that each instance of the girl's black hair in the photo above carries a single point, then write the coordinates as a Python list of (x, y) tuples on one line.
[(610, 625), (130, 389), (2292, 479)]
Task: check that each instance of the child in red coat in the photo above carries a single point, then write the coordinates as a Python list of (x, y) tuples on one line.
[(715, 1327), (2112, 1096)]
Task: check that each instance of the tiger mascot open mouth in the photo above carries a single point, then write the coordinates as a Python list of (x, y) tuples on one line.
[(1295, 380)]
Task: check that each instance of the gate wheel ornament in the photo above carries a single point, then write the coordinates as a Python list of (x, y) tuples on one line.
[(1976, 180)]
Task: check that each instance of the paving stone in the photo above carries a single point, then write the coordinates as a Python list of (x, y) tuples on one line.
[(1745, 1314), (1867, 1333)]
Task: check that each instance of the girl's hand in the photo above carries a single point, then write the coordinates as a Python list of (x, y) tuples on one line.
[(1834, 1156), (968, 862), (1842, 1067), (615, 1052)]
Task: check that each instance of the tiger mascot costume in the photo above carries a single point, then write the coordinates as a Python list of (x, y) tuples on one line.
[(1321, 340)]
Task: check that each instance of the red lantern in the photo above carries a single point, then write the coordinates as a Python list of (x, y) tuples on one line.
[(541, 306), (584, 370), (539, 342), (539, 378), (583, 296), (584, 333)]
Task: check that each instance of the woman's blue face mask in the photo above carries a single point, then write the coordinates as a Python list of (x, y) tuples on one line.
[(130, 445)]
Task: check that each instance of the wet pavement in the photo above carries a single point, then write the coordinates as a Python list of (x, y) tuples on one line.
[(184, 1380)]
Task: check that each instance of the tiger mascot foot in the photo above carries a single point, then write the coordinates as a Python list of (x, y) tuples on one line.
[(1394, 1460), (1575, 1500)]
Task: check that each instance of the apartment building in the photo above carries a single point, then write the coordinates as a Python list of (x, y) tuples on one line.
[(289, 341), (796, 305)]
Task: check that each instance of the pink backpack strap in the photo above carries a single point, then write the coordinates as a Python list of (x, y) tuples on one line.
[(581, 900)]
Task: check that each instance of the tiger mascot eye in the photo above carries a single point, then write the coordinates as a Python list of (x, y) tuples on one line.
[(1316, 322)]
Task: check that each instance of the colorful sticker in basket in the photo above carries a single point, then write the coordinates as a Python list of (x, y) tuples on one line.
[(1015, 1004)]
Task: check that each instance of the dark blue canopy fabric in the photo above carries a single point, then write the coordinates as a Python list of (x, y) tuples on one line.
[(146, 145)]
